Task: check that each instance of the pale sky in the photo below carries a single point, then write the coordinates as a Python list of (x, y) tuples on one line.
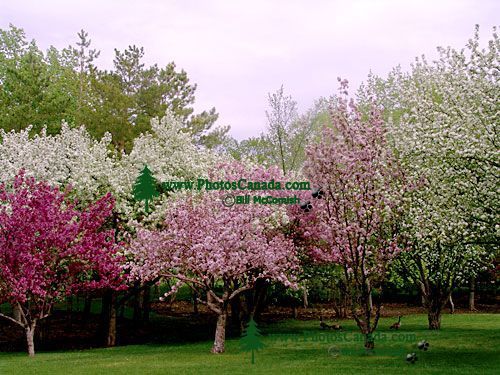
[(238, 51)]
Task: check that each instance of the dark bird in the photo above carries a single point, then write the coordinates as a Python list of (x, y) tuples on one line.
[(337, 327), (324, 325), (396, 325)]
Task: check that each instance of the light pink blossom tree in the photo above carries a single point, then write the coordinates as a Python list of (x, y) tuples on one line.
[(355, 221), (49, 249), (219, 251)]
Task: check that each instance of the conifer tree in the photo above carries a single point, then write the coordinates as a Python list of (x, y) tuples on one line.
[(145, 187), (250, 341)]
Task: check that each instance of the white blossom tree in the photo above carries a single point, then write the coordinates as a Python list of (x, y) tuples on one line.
[(73, 158), (170, 154), (445, 130)]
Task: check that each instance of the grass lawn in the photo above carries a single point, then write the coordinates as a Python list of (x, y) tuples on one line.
[(467, 344)]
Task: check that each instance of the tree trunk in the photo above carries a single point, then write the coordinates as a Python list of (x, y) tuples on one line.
[(146, 304), (337, 310), (370, 299), (195, 303), (16, 312), (109, 318), (156, 292), (103, 328), (248, 303), (434, 317), (452, 305), (137, 305), (472, 292), (220, 333), (111, 339), (294, 312), (69, 310), (304, 298), (87, 307), (236, 314), (261, 288), (30, 334), (344, 300), (369, 341), (41, 331)]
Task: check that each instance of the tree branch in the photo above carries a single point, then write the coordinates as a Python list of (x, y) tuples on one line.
[(12, 320)]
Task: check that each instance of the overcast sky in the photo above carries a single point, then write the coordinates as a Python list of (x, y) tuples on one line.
[(238, 51)]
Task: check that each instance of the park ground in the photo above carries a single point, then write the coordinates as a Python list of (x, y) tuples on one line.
[(466, 344)]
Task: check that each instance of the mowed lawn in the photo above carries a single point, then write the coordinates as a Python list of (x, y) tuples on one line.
[(467, 344)]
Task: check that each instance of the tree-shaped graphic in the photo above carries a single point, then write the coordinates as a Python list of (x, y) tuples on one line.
[(249, 341), (145, 187)]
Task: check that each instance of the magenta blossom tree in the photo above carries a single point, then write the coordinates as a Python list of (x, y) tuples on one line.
[(219, 251), (50, 250), (354, 222)]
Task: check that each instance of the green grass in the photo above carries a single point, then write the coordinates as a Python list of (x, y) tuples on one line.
[(466, 344)]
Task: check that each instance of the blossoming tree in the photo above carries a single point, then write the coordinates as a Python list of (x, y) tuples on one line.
[(171, 155), (445, 130), (218, 251), (73, 157), (49, 250), (354, 221)]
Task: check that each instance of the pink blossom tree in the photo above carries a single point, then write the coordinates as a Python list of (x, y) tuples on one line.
[(354, 220), (49, 249), (219, 251)]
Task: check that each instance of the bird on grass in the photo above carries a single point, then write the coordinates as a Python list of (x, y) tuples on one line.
[(397, 325), (324, 325)]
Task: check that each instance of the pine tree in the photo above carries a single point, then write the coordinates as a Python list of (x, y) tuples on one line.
[(250, 339), (145, 187)]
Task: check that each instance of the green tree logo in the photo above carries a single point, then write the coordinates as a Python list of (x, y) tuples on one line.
[(145, 187), (249, 341)]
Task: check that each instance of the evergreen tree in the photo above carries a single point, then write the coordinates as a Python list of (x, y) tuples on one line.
[(145, 187), (250, 341), (41, 89)]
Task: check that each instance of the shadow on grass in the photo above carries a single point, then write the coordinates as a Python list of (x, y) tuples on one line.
[(60, 332)]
